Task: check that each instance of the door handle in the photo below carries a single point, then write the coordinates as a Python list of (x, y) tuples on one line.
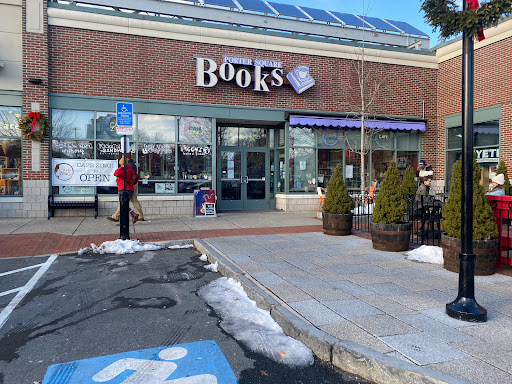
[(244, 179)]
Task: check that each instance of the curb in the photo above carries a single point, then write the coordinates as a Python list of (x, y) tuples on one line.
[(346, 355)]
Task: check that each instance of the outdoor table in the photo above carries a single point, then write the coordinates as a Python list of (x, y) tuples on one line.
[(430, 212)]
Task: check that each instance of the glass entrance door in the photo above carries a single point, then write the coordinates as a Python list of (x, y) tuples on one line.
[(243, 179)]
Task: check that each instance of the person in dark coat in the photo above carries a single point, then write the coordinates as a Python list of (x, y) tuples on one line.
[(423, 191)]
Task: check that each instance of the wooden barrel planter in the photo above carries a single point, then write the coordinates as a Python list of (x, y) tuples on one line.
[(337, 225), (486, 253), (390, 237)]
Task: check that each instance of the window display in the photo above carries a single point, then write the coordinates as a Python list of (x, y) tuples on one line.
[(10, 152), (194, 167)]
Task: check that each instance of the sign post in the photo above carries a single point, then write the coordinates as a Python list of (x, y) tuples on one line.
[(124, 120)]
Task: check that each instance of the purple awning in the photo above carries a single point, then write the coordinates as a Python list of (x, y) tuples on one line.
[(318, 121)]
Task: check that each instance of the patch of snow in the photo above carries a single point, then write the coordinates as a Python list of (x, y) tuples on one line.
[(120, 247), (253, 326), (84, 250), (426, 254), (366, 209), (180, 246), (212, 267), (203, 257)]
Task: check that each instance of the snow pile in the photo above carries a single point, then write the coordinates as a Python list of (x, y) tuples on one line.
[(203, 257), (365, 209), (84, 250), (212, 267), (180, 246), (253, 326), (427, 254), (120, 247)]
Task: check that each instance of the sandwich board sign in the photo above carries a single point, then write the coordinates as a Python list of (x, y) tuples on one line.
[(124, 116), (201, 362)]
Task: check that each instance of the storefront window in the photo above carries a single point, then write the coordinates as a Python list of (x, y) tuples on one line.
[(302, 136), (328, 159), (353, 170), (195, 130), (106, 126), (156, 168), (242, 137), (71, 149), (75, 125), (195, 167), (156, 128), (380, 163), (330, 138), (10, 152), (486, 145), (281, 179), (302, 170)]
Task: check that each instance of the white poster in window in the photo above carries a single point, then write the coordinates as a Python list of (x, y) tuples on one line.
[(84, 172), (231, 164), (349, 171), (164, 187), (231, 173), (231, 156), (302, 165)]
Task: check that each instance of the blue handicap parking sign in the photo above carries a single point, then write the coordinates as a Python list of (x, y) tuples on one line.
[(201, 362), (124, 114)]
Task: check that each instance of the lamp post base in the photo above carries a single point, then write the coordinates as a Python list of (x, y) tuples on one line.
[(466, 309)]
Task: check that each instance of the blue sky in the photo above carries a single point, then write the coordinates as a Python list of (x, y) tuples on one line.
[(401, 10)]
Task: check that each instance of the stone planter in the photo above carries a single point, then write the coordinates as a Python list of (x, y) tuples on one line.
[(390, 237), (337, 224), (486, 253)]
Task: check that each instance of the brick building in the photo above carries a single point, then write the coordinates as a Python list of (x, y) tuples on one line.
[(257, 107)]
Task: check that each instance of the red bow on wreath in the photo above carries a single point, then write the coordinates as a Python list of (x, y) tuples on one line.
[(34, 116)]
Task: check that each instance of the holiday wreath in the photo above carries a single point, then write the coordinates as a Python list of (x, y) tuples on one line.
[(444, 14), (34, 126)]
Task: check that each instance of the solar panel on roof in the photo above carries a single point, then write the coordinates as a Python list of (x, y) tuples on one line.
[(407, 28), (223, 3), (255, 5), (287, 10), (379, 23), (319, 14), (349, 19)]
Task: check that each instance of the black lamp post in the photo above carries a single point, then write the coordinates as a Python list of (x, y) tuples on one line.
[(124, 201), (465, 306)]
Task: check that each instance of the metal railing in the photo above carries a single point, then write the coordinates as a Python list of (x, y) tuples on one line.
[(424, 216)]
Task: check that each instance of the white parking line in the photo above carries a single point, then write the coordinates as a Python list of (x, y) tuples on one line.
[(20, 270), (25, 289), (11, 291)]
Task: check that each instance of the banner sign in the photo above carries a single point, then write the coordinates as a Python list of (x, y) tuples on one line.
[(487, 155), (82, 172)]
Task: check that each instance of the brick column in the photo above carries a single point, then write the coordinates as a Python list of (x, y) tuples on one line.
[(35, 98)]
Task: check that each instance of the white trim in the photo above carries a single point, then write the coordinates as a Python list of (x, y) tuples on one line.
[(200, 34), (492, 35)]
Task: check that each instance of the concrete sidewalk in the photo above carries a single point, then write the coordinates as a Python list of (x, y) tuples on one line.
[(382, 302), (336, 290)]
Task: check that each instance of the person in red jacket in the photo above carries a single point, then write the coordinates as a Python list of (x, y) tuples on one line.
[(119, 174)]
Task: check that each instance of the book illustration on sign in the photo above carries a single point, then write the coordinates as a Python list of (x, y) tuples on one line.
[(204, 203), (300, 79)]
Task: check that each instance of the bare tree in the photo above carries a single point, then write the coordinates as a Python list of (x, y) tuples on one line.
[(367, 83)]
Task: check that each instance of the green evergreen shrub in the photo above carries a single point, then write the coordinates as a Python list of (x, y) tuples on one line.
[(484, 224), (408, 185), (502, 168), (337, 199), (389, 203)]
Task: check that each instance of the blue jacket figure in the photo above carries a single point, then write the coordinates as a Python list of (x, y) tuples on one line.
[(498, 188)]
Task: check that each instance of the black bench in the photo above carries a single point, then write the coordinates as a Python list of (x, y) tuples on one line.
[(52, 204)]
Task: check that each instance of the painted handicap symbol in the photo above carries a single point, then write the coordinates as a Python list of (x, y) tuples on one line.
[(152, 371), (200, 362)]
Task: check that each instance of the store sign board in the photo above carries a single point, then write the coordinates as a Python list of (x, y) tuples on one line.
[(208, 73), (487, 155), (83, 172)]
